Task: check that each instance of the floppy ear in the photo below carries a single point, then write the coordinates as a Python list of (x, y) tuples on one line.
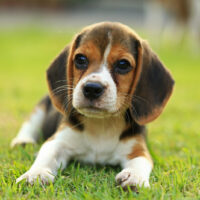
[(60, 76), (57, 80), (154, 86)]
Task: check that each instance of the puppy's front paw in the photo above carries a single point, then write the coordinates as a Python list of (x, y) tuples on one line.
[(128, 177), (22, 141), (44, 175)]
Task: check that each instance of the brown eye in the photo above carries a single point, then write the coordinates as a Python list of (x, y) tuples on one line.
[(81, 61), (122, 66)]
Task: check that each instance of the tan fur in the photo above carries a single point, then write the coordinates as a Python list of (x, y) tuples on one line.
[(140, 149)]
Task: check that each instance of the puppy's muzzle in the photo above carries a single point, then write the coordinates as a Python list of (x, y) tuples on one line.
[(93, 90)]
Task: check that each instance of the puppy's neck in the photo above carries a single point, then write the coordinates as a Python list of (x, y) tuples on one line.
[(113, 125)]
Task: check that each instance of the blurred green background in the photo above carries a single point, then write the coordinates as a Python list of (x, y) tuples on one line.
[(31, 35)]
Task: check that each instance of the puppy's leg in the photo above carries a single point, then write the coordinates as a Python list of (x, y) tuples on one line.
[(31, 129), (137, 166), (54, 154)]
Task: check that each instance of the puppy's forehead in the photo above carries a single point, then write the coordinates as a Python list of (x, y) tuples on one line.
[(108, 33)]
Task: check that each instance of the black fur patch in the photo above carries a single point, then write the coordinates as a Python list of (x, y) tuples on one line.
[(78, 41), (133, 129), (46, 102), (56, 76), (158, 82), (134, 48), (73, 119), (52, 117), (100, 37), (51, 123)]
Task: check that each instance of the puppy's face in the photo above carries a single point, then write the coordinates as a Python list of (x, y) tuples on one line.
[(106, 70)]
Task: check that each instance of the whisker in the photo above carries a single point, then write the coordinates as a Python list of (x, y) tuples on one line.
[(141, 98), (61, 90), (63, 86)]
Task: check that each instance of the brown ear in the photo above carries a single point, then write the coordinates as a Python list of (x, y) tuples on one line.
[(57, 74), (56, 79), (153, 88)]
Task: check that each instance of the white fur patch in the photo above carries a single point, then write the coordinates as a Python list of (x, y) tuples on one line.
[(44, 175), (107, 51), (53, 155), (136, 172), (30, 130)]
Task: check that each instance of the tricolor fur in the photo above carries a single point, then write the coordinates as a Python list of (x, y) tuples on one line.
[(106, 85)]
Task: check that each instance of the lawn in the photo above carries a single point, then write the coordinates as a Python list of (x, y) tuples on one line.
[(173, 138)]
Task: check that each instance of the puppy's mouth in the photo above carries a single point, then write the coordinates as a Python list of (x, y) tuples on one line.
[(91, 111)]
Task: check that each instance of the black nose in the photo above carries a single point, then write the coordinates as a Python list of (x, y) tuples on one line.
[(93, 90)]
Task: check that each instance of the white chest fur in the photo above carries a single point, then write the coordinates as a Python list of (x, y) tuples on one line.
[(99, 142), (101, 138)]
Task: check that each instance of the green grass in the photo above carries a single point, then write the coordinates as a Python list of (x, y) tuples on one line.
[(173, 138)]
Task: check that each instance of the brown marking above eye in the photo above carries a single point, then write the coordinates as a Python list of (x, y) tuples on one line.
[(90, 51), (119, 53)]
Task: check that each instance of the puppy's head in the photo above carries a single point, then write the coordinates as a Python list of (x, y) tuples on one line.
[(106, 70)]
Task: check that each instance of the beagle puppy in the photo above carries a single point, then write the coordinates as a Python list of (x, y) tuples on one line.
[(104, 87)]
